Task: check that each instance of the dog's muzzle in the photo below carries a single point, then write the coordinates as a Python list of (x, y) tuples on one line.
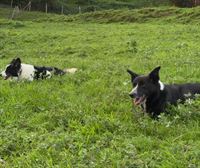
[(136, 99), (132, 95), (139, 100), (4, 76)]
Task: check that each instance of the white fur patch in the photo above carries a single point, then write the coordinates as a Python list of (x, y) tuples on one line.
[(48, 75), (71, 70), (188, 94), (144, 105), (162, 86), (3, 74), (134, 90), (27, 72)]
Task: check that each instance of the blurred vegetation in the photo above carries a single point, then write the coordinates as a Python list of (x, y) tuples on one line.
[(185, 3), (71, 6)]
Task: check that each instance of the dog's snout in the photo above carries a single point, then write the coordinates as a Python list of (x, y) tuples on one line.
[(132, 95), (2, 74)]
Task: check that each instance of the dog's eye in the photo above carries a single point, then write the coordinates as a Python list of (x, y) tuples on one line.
[(134, 83), (143, 87)]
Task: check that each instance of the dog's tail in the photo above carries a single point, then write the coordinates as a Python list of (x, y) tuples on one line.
[(70, 70)]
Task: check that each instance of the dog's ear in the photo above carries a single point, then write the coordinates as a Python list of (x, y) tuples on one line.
[(13, 61), (154, 74), (133, 74), (17, 62)]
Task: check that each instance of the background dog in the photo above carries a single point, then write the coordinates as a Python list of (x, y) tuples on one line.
[(19, 71)]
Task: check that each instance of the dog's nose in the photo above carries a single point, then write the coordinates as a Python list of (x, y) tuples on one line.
[(132, 95)]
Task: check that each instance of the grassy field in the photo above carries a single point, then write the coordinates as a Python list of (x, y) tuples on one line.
[(86, 119)]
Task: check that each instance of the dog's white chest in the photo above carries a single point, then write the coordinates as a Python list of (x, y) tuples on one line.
[(144, 105)]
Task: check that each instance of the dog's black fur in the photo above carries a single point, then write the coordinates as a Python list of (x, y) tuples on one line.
[(41, 72), (154, 96)]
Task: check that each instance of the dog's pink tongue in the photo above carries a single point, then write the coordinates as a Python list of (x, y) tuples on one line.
[(137, 101)]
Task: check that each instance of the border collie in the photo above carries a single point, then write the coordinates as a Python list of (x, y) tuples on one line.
[(153, 96), (19, 71)]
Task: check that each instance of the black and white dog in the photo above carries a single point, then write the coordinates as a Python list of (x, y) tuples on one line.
[(19, 71), (149, 92)]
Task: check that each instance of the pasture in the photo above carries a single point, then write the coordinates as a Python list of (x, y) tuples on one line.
[(86, 119)]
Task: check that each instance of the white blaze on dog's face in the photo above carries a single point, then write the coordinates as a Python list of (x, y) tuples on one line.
[(3, 74), (134, 91), (137, 99)]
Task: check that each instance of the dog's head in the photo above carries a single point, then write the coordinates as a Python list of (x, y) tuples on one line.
[(12, 70), (145, 86)]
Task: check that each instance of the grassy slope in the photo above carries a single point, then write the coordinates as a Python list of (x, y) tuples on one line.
[(85, 120), (163, 15)]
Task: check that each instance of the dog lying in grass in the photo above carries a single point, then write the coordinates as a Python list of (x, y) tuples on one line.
[(153, 96), (19, 71)]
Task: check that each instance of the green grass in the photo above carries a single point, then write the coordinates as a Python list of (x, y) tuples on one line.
[(86, 119)]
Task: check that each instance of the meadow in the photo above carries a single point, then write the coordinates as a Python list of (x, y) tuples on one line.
[(87, 119)]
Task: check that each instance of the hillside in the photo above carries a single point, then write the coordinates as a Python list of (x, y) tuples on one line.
[(71, 6), (164, 14)]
